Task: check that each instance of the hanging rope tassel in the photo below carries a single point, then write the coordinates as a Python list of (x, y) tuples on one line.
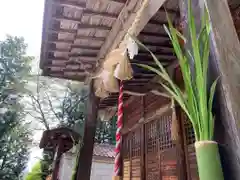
[(118, 132), (174, 126)]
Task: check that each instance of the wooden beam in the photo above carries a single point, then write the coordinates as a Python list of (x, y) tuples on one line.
[(147, 14), (122, 24), (118, 26), (86, 151)]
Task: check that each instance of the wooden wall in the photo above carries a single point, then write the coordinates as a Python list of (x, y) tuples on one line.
[(148, 150)]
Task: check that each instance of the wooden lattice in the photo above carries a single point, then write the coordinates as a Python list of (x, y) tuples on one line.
[(189, 132), (161, 156), (132, 155), (190, 149)]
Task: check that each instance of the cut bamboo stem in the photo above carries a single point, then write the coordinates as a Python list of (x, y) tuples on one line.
[(208, 160)]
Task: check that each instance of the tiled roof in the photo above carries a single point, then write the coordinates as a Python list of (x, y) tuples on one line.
[(104, 150)]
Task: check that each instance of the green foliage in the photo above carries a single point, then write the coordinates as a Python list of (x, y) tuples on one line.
[(13, 152), (14, 134), (35, 173), (46, 164), (106, 131), (195, 101)]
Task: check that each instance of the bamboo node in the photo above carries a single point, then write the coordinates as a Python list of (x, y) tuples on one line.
[(199, 144)]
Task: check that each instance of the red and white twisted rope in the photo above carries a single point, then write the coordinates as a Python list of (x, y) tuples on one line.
[(118, 132)]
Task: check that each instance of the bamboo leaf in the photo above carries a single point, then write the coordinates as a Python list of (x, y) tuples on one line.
[(167, 31), (162, 75), (154, 57), (180, 35), (210, 104)]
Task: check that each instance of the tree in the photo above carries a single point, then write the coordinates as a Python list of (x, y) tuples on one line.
[(58, 103), (14, 153), (14, 135), (53, 103), (106, 130)]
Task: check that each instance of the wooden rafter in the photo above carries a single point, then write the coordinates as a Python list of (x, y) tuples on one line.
[(102, 14), (153, 7), (164, 45), (80, 25), (90, 38), (119, 1), (157, 53), (58, 50), (82, 6), (153, 34), (168, 10), (81, 55), (85, 47), (160, 23), (61, 30), (144, 74), (80, 72), (71, 4)]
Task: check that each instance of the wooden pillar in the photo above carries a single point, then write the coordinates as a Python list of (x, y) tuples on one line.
[(225, 61), (142, 141), (86, 151), (57, 158), (183, 170)]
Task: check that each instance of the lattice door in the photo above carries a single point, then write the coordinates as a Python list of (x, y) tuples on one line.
[(161, 153), (126, 157), (136, 155), (190, 149), (132, 156)]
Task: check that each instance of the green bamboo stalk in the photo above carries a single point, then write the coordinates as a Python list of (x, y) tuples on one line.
[(208, 160)]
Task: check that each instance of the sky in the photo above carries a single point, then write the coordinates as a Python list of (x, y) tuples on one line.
[(24, 18)]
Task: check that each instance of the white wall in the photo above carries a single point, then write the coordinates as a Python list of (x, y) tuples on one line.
[(100, 171)]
